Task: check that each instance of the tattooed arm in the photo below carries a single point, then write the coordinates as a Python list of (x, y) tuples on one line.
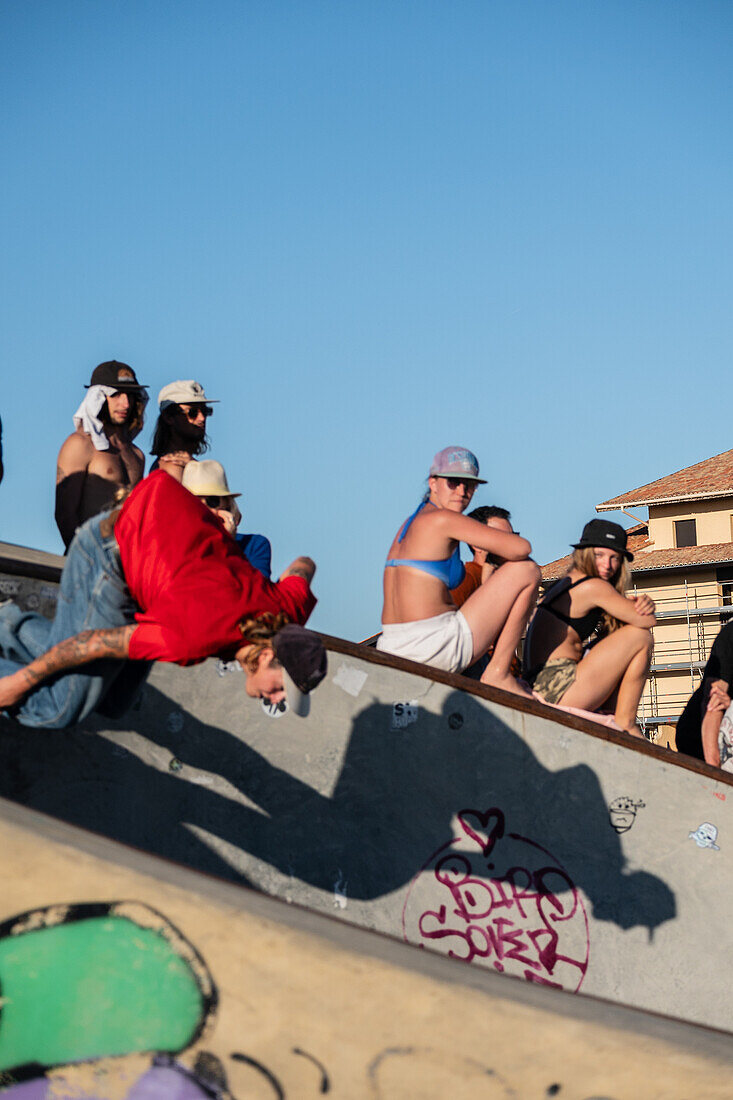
[(301, 567), (78, 650)]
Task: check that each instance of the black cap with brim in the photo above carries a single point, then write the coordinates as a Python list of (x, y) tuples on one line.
[(604, 533), (118, 375), (303, 657)]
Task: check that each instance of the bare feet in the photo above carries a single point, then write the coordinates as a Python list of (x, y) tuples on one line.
[(505, 682)]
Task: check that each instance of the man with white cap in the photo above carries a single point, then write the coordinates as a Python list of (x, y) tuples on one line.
[(99, 457), (156, 580), (180, 431), (207, 480)]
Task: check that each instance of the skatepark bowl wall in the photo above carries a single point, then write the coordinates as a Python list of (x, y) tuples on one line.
[(493, 830), (127, 978)]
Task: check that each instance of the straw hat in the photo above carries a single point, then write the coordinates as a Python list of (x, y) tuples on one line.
[(207, 479)]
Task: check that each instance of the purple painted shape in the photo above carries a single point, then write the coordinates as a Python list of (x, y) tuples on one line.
[(28, 1090), (159, 1083), (167, 1083)]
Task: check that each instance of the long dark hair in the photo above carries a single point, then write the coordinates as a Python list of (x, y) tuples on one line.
[(163, 435)]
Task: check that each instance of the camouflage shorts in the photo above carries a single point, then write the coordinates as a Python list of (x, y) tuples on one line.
[(554, 679)]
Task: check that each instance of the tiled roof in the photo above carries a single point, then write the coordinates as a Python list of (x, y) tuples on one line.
[(711, 478), (555, 569), (717, 553), (637, 537), (649, 561)]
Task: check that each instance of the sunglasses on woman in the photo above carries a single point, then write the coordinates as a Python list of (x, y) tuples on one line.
[(454, 482), (216, 502), (192, 411)]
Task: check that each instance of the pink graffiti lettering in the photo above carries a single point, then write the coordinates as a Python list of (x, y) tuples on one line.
[(503, 901)]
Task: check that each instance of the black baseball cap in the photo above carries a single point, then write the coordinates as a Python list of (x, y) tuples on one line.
[(601, 532), (115, 374), (303, 657)]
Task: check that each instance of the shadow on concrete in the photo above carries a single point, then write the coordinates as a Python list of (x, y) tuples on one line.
[(393, 805)]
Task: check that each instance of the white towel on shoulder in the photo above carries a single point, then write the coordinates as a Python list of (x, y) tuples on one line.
[(86, 416)]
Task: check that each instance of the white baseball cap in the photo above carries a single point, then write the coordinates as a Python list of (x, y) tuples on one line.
[(184, 393)]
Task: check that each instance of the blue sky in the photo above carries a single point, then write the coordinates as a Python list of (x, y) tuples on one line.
[(373, 229)]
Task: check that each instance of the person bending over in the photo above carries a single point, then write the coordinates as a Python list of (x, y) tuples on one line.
[(180, 430), (208, 481), (589, 596), (157, 580), (99, 457), (420, 620)]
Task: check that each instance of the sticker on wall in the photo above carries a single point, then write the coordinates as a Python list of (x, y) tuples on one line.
[(9, 588), (404, 714), (622, 813), (705, 836), (222, 667), (350, 679), (275, 710)]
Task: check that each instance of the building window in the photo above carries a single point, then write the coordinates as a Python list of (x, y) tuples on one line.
[(685, 532)]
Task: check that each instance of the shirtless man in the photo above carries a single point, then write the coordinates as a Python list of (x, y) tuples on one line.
[(99, 457), (180, 433)]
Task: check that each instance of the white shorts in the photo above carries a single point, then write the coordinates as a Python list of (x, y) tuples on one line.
[(445, 641)]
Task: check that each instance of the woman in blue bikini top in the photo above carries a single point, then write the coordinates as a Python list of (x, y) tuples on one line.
[(424, 564)]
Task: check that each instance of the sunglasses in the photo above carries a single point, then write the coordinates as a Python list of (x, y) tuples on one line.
[(454, 482), (216, 502), (192, 411)]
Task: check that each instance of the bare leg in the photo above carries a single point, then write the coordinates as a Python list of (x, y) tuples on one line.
[(630, 689), (619, 661), (499, 611)]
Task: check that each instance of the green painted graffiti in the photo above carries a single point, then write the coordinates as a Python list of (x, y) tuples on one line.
[(90, 981)]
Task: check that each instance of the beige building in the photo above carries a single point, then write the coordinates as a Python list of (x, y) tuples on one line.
[(683, 559)]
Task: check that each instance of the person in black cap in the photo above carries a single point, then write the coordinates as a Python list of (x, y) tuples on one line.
[(589, 600), (99, 457)]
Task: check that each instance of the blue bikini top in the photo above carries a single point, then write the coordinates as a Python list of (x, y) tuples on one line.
[(450, 570)]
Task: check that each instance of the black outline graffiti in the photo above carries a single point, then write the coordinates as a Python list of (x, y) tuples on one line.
[(325, 1082), (390, 1052), (266, 1073), (623, 805)]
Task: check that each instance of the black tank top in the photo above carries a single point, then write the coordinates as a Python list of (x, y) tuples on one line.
[(584, 626)]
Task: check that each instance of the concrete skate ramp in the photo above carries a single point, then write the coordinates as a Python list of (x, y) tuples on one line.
[(124, 977), (30, 577), (427, 807)]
